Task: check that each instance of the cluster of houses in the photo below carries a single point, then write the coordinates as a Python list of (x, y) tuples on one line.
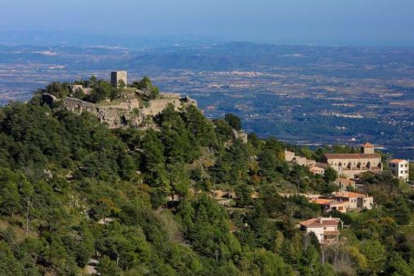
[(350, 166), (341, 201), (344, 202), (315, 168)]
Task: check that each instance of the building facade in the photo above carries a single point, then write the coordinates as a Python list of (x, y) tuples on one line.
[(330, 204), (352, 165), (304, 162), (327, 230), (345, 184), (400, 168), (356, 200)]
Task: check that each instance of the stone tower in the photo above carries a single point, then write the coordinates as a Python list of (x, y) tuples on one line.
[(118, 76), (368, 148)]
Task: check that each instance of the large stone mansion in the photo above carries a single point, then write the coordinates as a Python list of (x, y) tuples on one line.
[(347, 165), (352, 165)]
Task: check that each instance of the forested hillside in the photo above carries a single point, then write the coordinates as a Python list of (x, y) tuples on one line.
[(139, 202)]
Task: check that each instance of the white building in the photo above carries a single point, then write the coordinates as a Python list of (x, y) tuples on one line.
[(327, 230), (400, 168)]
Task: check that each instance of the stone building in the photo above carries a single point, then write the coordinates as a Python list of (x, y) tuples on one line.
[(118, 76), (345, 184), (352, 165), (316, 170), (356, 200), (290, 156), (400, 168)]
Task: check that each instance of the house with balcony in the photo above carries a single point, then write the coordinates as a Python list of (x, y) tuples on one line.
[(326, 230)]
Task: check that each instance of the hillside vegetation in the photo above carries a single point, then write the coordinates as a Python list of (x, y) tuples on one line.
[(73, 192)]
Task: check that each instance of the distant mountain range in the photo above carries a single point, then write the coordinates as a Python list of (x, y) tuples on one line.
[(42, 38)]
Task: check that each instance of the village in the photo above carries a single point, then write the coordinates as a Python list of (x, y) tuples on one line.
[(349, 167)]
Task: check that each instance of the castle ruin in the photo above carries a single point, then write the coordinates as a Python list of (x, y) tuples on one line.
[(118, 76)]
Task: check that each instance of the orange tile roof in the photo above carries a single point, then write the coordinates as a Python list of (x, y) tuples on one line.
[(349, 195), (320, 222), (321, 201), (326, 201), (351, 155), (368, 145), (397, 160), (316, 168)]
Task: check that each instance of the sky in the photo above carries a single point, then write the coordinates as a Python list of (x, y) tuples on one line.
[(321, 22)]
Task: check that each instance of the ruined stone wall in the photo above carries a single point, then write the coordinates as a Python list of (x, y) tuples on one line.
[(127, 113), (112, 116), (157, 106)]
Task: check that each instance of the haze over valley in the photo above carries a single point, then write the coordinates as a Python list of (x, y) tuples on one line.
[(352, 94)]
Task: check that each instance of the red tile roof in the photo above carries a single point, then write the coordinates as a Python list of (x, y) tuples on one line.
[(320, 222), (368, 145), (349, 195), (351, 155), (321, 201), (397, 160)]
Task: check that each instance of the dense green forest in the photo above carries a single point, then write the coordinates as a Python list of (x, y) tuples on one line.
[(72, 191)]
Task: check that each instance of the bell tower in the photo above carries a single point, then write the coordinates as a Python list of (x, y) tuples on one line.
[(368, 148)]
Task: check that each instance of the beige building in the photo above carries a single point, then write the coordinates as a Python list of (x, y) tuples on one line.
[(317, 170), (301, 161), (400, 168), (118, 76), (345, 184), (352, 165), (356, 200), (331, 204), (327, 230)]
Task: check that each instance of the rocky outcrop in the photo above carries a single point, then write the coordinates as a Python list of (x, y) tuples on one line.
[(112, 116), (129, 113), (240, 135)]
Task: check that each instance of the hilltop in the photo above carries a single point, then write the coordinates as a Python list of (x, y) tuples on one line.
[(79, 196), (117, 106)]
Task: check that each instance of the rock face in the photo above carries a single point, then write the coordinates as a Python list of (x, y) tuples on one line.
[(112, 116), (128, 113), (240, 135)]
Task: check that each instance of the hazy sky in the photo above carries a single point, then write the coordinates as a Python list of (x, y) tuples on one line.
[(373, 22)]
